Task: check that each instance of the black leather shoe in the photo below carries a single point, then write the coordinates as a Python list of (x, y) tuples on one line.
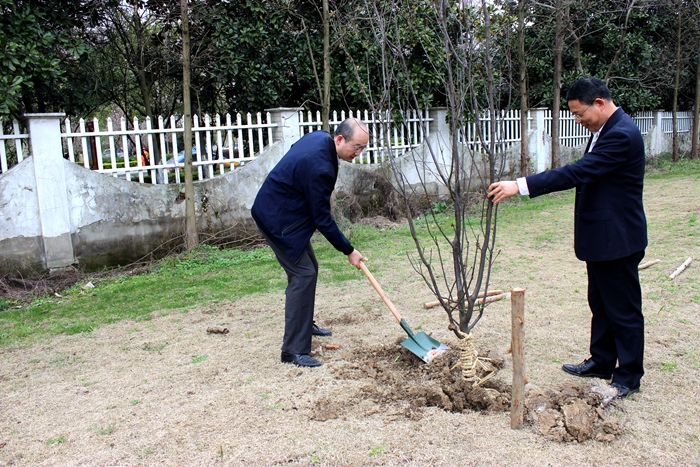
[(316, 331), (586, 369), (300, 359), (623, 391)]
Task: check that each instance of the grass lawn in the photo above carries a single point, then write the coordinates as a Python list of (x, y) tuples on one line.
[(207, 275)]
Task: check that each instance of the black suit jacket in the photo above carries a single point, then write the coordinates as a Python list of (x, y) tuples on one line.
[(294, 200), (609, 212)]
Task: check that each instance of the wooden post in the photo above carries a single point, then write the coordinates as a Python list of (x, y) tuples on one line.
[(517, 314)]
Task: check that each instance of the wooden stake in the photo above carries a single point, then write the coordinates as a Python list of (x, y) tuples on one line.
[(681, 268), (648, 263), (493, 296), (517, 314)]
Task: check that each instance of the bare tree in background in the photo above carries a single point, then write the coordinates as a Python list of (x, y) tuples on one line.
[(696, 112), (522, 81), (696, 109), (191, 235), (630, 5), (324, 91), (565, 31), (455, 261), (326, 103), (559, 14), (676, 79)]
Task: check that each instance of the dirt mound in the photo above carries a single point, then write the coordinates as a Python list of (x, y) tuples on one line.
[(378, 222), (399, 379), (399, 382), (574, 413)]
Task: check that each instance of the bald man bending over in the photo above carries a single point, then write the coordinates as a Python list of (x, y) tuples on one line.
[(294, 202)]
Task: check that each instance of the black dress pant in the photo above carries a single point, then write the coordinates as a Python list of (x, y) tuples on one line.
[(617, 324), (300, 298)]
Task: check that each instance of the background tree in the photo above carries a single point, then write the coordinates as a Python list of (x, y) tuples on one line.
[(560, 11), (135, 61), (261, 56), (523, 93), (191, 235), (695, 8), (41, 47), (676, 79), (92, 56), (622, 40), (326, 103)]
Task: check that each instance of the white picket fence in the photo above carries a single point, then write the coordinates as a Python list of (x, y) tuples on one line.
[(16, 142), (571, 134), (684, 122), (477, 135), (140, 152), (151, 154), (645, 120), (402, 136)]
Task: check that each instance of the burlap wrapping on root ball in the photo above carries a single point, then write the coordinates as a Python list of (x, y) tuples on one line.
[(474, 368)]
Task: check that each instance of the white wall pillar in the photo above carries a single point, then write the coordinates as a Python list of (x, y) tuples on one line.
[(439, 125), (287, 131), (46, 150), (657, 142), (539, 144), (441, 138)]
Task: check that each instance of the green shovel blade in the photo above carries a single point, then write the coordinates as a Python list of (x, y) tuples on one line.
[(421, 344)]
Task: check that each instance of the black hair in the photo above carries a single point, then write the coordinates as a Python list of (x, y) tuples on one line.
[(587, 90)]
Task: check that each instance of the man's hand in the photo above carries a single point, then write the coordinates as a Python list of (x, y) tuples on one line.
[(501, 190), (355, 258)]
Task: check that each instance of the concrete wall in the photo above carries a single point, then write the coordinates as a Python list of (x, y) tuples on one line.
[(110, 221)]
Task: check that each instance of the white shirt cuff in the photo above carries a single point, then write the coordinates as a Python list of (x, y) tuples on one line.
[(522, 186)]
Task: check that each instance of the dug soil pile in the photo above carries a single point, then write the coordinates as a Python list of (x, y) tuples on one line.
[(400, 383)]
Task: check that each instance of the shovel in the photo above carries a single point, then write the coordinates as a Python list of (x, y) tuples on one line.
[(422, 345)]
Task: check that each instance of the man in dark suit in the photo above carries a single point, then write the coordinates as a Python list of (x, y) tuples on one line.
[(294, 202), (610, 231)]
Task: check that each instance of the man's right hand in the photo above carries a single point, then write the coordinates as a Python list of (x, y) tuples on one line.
[(501, 190), (355, 258)]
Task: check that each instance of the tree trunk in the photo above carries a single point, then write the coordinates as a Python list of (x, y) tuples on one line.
[(676, 82), (141, 71), (524, 106), (191, 236), (556, 98), (696, 111), (621, 47), (313, 62), (326, 105), (577, 53)]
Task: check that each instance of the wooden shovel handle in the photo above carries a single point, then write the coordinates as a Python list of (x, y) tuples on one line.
[(381, 293)]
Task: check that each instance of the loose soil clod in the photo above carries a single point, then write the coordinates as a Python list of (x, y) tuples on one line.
[(572, 413)]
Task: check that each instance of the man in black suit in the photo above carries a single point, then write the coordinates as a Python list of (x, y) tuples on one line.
[(294, 202), (610, 230)]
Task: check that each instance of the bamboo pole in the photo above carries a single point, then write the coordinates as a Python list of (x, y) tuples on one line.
[(517, 314), (492, 296), (681, 268), (649, 263)]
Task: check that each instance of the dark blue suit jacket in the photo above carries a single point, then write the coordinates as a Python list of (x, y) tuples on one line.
[(609, 220), (294, 200)]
